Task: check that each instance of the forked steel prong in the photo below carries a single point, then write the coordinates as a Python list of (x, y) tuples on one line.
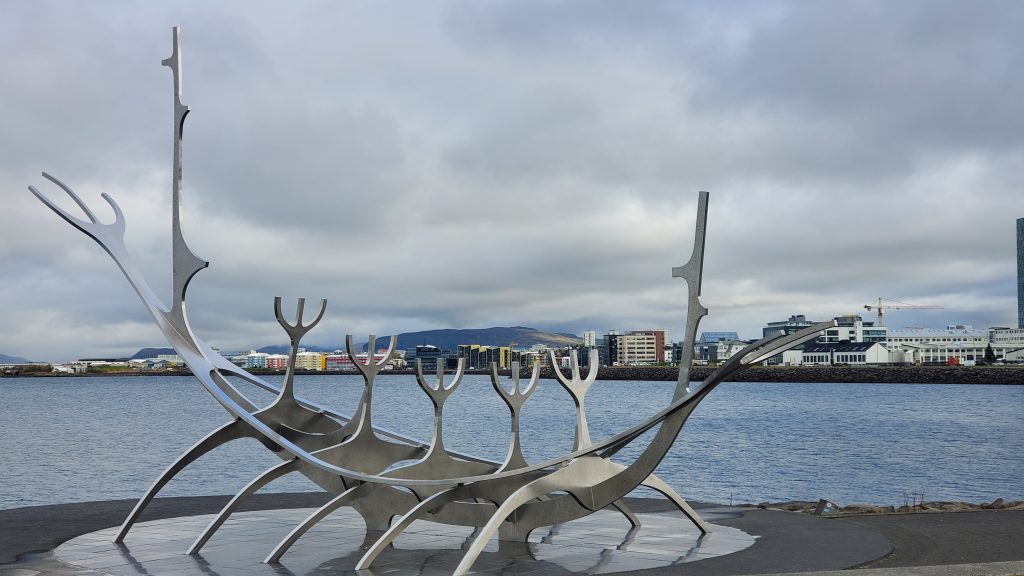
[(371, 364), (297, 330), (438, 396), (441, 391), (295, 333), (518, 394), (107, 235), (515, 399), (363, 418), (577, 389), (75, 197)]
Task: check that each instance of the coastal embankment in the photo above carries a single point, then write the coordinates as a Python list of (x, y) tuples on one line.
[(839, 374), (794, 374)]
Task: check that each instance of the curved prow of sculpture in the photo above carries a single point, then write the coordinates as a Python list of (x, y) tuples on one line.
[(172, 320)]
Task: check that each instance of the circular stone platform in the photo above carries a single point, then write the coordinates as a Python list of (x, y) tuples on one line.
[(602, 543)]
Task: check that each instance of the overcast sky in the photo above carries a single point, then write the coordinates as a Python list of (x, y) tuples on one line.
[(471, 164)]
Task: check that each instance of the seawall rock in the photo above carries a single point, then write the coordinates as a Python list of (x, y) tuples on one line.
[(840, 374)]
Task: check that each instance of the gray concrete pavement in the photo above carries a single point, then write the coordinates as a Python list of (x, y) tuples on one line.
[(939, 544), (947, 537)]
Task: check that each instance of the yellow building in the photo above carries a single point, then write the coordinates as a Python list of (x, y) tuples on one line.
[(310, 361)]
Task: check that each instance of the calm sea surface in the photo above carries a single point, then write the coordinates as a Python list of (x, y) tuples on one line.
[(100, 438)]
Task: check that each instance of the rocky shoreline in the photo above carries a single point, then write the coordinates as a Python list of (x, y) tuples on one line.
[(827, 508), (836, 374), (793, 374)]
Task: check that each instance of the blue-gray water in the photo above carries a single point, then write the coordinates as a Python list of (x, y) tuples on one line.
[(98, 438)]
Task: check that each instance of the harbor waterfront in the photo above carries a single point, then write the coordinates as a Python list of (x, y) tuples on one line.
[(902, 374), (879, 444)]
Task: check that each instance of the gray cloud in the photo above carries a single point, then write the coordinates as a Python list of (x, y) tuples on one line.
[(455, 164)]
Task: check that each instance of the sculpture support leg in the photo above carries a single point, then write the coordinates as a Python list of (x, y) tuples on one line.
[(321, 513), (658, 484), (624, 509), (226, 433), (424, 507), (250, 489), (521, 496)]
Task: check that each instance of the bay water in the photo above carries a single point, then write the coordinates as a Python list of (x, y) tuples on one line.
[(75, 439)]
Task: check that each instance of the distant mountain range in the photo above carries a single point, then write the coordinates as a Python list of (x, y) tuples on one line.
[(444, 339), (5, 359), (147, 353), (450, 339), (447, 339), (284, 348)]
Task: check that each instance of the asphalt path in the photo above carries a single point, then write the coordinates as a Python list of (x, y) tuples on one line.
[(940, 538)]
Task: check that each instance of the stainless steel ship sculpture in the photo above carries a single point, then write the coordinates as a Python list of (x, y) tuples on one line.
[(392, 480)]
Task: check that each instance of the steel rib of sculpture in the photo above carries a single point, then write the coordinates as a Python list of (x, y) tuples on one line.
[(384, 475)]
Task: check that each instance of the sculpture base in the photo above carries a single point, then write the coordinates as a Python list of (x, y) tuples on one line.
[(601, 543)]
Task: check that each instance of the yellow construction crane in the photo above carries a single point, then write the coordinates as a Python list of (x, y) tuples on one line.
[(896, 305)]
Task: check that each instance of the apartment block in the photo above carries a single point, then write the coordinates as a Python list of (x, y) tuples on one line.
[(637, 348)]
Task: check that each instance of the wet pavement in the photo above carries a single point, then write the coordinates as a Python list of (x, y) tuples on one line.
[(75, 539)]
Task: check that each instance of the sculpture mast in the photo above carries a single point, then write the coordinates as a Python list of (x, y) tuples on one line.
[(185, 262), (692, 272)]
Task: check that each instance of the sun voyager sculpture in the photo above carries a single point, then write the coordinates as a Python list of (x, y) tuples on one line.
[(389, 479)]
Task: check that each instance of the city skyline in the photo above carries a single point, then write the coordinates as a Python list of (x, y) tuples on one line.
[(513, 164), (599, 339)]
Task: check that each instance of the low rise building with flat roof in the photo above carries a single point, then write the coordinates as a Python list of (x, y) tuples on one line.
[(965, 343), (859, 353)]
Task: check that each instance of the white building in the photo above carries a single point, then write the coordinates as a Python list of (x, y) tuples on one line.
[(964, 335), (589, 338), (853, 328), (1006, 338), (72, 368), (171, 359), (964, 343), (848, 328), (858, 353), (791, 357), (1008, 344)]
